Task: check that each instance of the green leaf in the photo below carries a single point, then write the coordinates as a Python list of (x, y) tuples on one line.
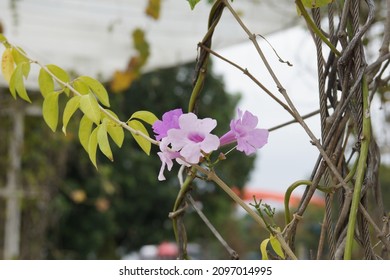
[(102, 139), (71, 106), (145, 116), (80, 87), (16, 84), (50, 110), (276, 246), (315, 3), (45, 82), (116, 133), (60, 74), (85, 129), (142, 142), (90, 107), (17, 53), (26, 69), (92, 146), (97, 88), (263, 249), (7, 64), (114, 130), (193, 3)]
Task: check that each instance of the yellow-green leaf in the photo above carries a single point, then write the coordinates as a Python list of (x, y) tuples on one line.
[(102, 139), (61, 75), (90, 107), (71, 106), (92, 146), (17, 53), (116, 133), (80, 87), (7, 64), (97, 88), (85, 129), (276, 246), (16, 84), (114, 130), (145, 116), (142, 142), (315, 3), (58, 72), (26, 69), (45, 82), (263, 249), (50, 110)]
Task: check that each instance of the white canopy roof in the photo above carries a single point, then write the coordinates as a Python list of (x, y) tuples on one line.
[(93, 37)]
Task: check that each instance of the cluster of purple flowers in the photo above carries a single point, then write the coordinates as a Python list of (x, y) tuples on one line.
[(187, 139)]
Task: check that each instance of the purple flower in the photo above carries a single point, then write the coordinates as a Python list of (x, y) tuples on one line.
[(243, 131), (193, 137), (170, 120)]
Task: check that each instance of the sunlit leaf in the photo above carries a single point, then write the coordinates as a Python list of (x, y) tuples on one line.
[(193, 3), (116, 133), (16, 84), (80, 87), (97, 88), (50, 110), (263, 249), (145, 116), (102, 139), (7, 64), (17, 53), (71, 106), (90, 107), (142, 142), (26, 69), (85, 129), (45, 82), (276, 246), (114, 130), (153, 9), (92, 146), (61, 75)]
